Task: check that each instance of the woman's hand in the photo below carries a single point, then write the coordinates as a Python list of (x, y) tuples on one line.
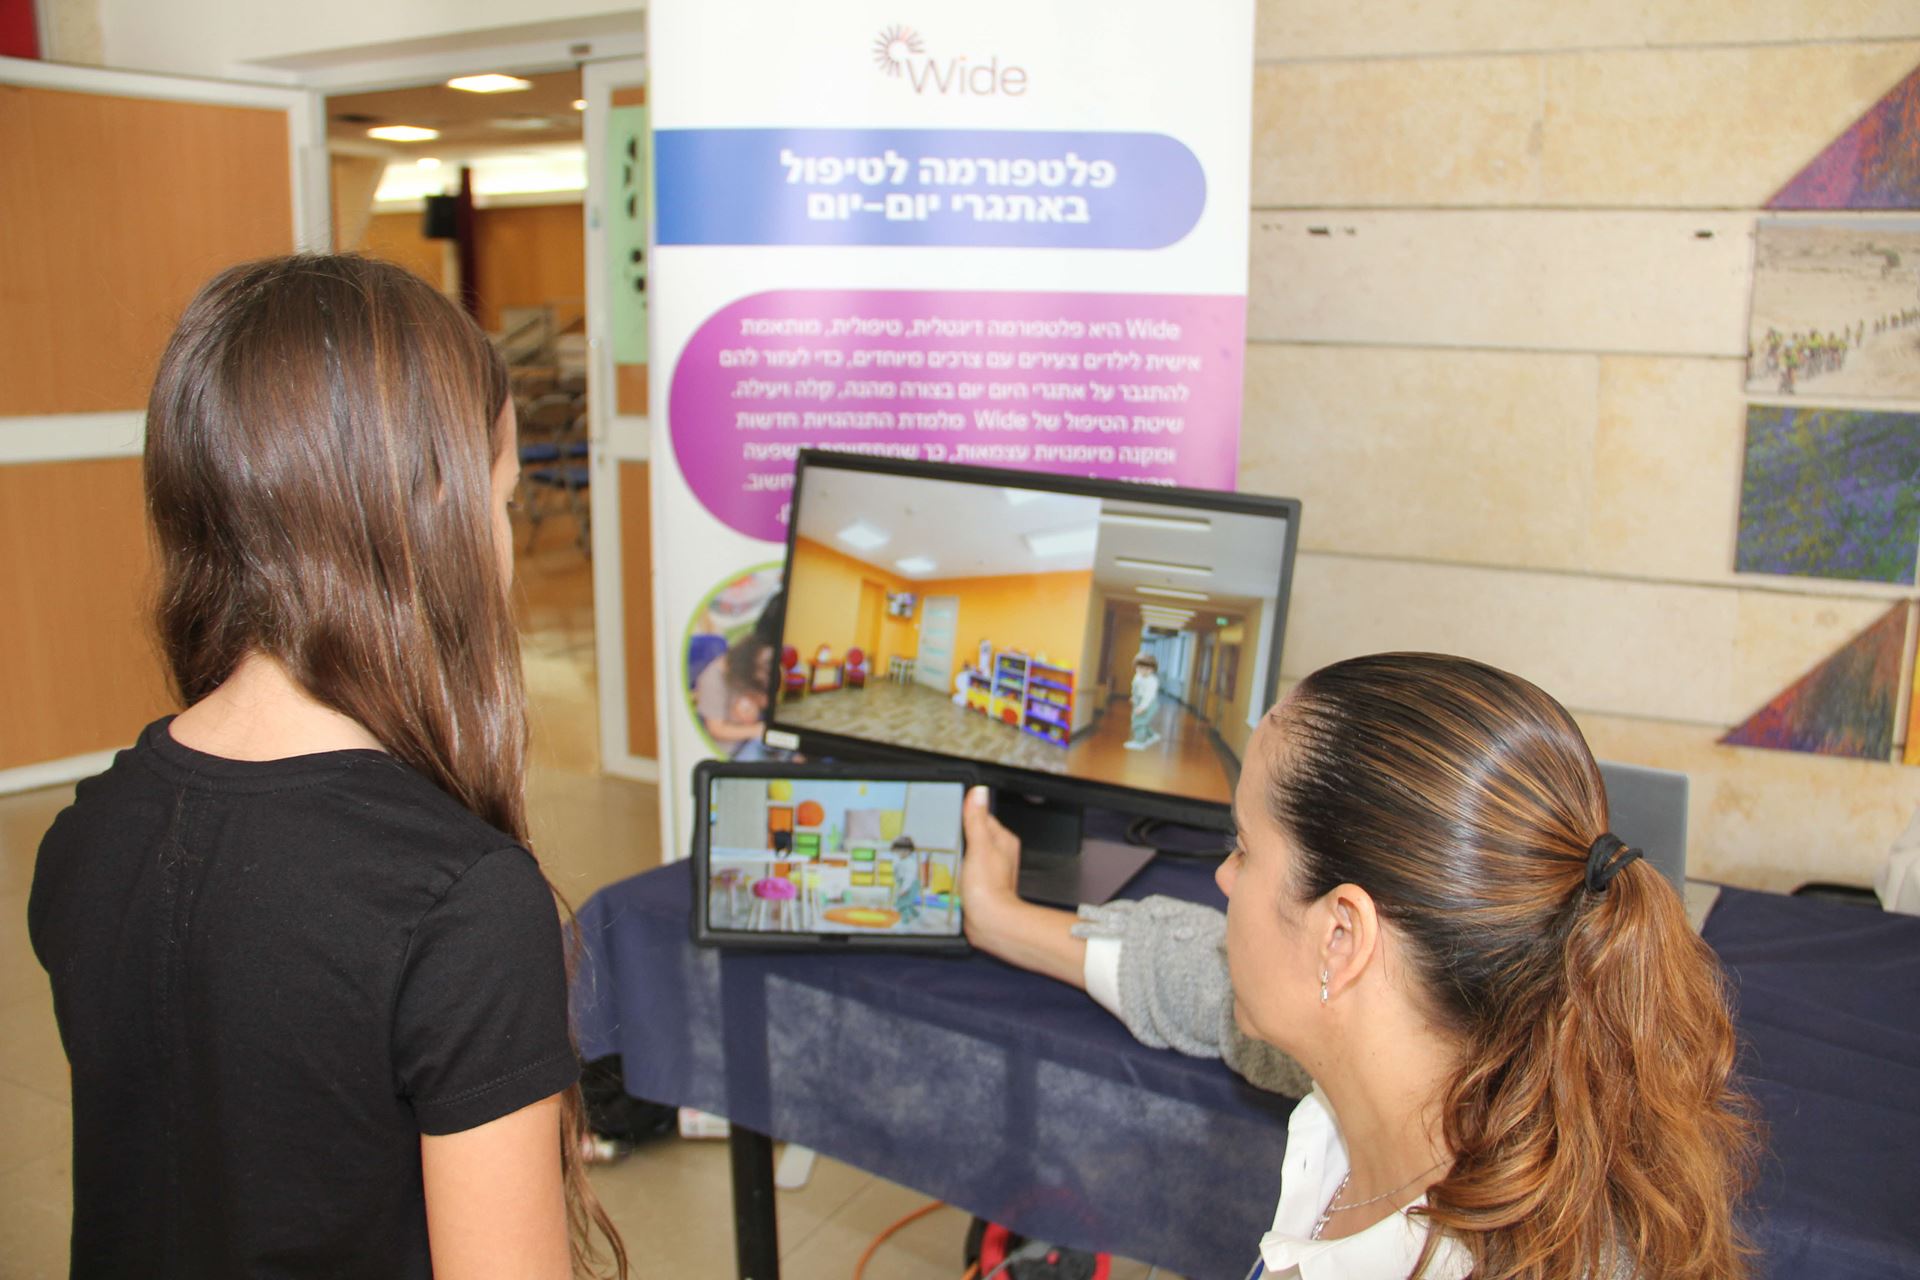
[(990, 872), (998, 920)]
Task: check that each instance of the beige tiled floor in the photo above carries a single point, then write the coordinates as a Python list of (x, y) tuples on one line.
[(671, 1200)]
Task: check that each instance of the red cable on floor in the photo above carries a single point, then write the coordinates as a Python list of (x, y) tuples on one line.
[(860, 1267)]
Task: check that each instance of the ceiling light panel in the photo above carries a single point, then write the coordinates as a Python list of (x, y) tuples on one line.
[(1140, 519), (489, 83), (1164, 566), (403, 133), (1172, 593), (1079, 540), (864, 536), (916, 564)]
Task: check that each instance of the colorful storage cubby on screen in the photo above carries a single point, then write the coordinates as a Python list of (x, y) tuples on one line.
[(810, 856)]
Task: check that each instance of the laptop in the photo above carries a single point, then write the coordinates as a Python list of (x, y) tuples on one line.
[(1648, 809)]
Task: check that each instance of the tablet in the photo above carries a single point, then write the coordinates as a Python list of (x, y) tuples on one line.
[(824, 856)]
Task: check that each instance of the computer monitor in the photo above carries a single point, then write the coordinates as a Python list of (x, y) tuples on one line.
[(999, 617)]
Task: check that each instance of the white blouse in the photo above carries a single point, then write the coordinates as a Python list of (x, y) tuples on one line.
[(1316, 1162)]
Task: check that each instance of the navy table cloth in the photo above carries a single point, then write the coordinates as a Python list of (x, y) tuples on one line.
[(1019, 1099)]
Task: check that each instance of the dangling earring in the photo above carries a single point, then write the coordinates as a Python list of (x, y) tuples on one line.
[(1325, 976)]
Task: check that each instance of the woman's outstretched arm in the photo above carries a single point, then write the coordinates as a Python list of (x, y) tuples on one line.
[(1158, 965)]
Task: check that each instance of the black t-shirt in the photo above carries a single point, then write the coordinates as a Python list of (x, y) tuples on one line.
[(271, 978)]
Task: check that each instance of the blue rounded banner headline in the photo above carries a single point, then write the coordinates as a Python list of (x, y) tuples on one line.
[(984, 188)]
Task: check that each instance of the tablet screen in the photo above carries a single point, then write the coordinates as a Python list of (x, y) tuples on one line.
[(809, 855)]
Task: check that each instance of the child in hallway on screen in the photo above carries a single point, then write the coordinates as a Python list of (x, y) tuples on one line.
[(1146, 694)]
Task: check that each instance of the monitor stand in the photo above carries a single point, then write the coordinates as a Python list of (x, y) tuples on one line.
[(1058, 866)]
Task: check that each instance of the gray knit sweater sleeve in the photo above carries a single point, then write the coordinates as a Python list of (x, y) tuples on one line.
[(1174, 989)]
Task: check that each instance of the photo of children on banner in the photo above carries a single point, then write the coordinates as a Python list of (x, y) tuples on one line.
[(730, 682), (822, 855), (1144, 698)]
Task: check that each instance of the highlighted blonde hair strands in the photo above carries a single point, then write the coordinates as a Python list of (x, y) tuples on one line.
[(1594, 1122), (320, 443)]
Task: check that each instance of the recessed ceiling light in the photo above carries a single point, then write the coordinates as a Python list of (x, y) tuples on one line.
[(489, 83), (1191, 523), (523, 124), (863, 535), (403, 133), (915, 564), (1079, 540), (1018, 497), (428, 162), (1172, 592), (1163, 566), (579, 104)]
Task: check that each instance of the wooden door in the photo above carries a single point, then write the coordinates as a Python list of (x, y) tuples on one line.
[(121, 195), (933, 656)]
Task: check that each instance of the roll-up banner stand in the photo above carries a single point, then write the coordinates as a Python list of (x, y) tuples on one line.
[(1001, 233)]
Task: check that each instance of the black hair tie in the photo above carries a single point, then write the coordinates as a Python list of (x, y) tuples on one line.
[(1605, 859)]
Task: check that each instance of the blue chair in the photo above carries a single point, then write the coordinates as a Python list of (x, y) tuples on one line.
[(566, 472)]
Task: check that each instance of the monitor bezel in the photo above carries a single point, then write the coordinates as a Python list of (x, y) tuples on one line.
[(1052, 786)]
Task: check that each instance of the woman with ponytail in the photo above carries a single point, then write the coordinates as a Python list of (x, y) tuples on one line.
[(1517, 1055), (310, 979)]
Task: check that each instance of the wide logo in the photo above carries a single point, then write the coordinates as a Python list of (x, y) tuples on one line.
[(901, 52)]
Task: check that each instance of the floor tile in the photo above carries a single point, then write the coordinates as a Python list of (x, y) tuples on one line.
[(930, 1248), (21, 976), (36, 1215), (30, 1052), (24, 818), (31, 1125), (591, 831)]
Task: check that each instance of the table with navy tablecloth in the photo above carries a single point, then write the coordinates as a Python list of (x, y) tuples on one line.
[(1020, 1100)]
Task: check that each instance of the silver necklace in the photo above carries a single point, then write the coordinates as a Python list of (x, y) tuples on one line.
[(1333, 1207)]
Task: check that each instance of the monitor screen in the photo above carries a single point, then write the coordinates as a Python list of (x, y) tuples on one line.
[(1103, 641)]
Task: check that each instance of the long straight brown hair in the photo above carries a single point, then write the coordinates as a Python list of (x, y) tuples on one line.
[(320, 445), (1595, 1126)]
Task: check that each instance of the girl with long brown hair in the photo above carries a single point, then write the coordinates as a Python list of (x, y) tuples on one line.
[(310, 979), (1517, 1055)]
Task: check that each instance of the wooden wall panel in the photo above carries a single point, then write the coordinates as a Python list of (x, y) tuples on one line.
[(78, 669), (529, 256), (395, 237), (636, 592), (112, 212), (630, 389)]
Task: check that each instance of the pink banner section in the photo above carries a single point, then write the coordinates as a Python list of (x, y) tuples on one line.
[(1131, 386)]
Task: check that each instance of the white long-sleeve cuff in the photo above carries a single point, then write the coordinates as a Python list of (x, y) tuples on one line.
[(1103, 973)]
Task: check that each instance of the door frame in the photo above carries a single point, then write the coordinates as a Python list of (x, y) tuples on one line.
[(614, 438)]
